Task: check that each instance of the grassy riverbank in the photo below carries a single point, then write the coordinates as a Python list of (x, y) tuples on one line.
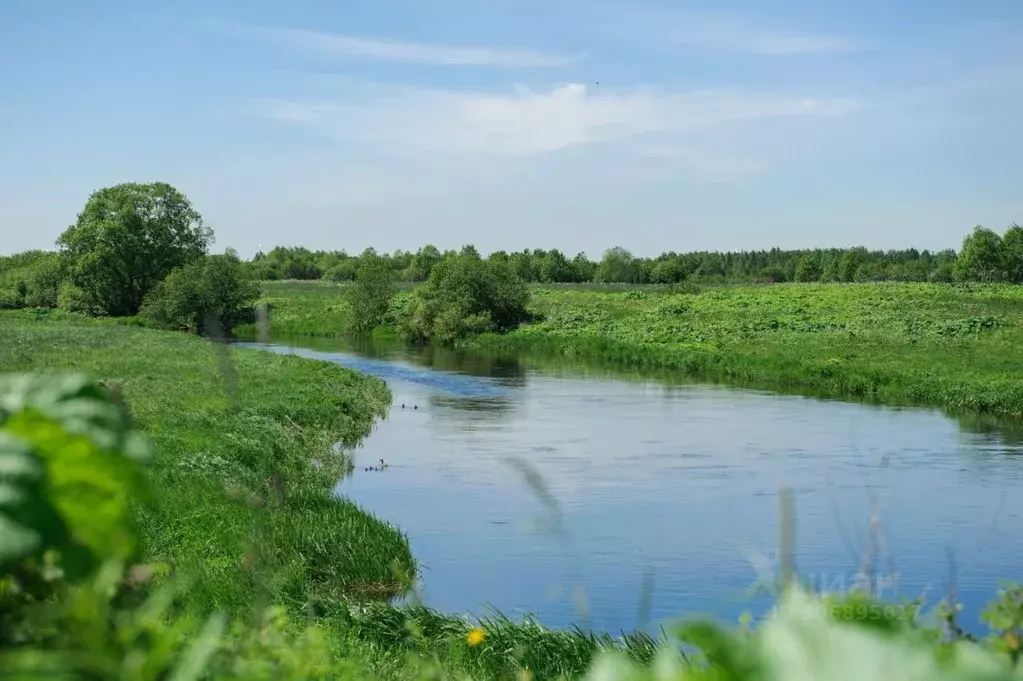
[(956, 347), (216, 448), (233, 425), (230, 426)]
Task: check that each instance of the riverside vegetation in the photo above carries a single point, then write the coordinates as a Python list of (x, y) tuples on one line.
[(207, 544), (956, 346), (237, 500), (99, 525)]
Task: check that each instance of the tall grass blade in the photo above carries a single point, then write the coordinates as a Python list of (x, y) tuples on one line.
[(199, 653)]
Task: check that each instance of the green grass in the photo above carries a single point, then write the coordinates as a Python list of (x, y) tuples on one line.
[(318, 556), (307, 308), (220, 426), (215, 453), (304, 308), (955, 347)]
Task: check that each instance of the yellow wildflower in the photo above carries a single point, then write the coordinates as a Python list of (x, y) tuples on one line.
[(474, 637)]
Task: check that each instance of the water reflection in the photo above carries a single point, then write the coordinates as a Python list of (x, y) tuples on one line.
[(513, 372), (676, 480), (481, 406), (391, 367), (999, 431), (507, 369)]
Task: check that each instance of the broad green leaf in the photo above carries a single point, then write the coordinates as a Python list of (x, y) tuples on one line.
[(68, 462), (802, 644), (28, 521)]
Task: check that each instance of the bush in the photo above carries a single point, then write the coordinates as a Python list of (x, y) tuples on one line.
[(370, 296), (43, 281), (73, 299), (11, 300), (982, 257), (774, 275), (346, 270), (945, 273), (464, 295), (30, 279), (808, 269), (191, 297)]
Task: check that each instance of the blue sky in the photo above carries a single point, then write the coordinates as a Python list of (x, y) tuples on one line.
[(566, 124)]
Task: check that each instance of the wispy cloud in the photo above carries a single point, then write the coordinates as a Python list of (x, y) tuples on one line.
[(408, 52), (529, 123)]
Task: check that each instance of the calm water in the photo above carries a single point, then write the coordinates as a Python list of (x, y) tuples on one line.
[(672, 486)]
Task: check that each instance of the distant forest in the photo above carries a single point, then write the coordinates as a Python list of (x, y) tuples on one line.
[(985, 256), (38, 278)]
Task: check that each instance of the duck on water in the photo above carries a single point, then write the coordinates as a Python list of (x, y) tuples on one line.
[(381, 467)]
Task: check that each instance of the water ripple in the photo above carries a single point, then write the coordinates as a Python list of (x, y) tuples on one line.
[(448, 383)]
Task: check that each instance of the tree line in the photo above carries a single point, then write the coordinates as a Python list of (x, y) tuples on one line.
[(143, 249), (985, 256)]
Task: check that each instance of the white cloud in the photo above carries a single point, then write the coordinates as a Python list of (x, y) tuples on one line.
[(530, 123), (409, 52)]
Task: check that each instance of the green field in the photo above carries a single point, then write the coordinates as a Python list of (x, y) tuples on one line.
[(215, 447), (953, 346)]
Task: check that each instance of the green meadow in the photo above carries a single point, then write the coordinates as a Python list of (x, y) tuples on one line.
[(223, 424), (955, 346)]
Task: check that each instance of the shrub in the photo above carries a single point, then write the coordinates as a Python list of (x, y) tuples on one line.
[(11, 300), (191, 297), (808, 269), (43, 281), (773, 275), (346, 270), (30, 279), (982, 257), (370, 296), (73, 299), (464, 295), (669, 271)]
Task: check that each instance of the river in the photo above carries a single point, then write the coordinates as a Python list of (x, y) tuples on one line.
[(659, 498)]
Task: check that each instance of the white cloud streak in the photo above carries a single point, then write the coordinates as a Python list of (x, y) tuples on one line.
[(529, 123), (407, 52)]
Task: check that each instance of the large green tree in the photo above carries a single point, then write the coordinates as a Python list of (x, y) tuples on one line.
[(617, 266), (127, 239), (982, 257)]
